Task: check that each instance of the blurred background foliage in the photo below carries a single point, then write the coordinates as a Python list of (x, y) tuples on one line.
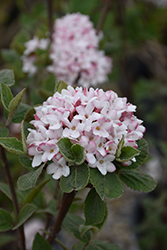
[(135, 37)]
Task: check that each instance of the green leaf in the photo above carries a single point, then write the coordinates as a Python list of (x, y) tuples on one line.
[(65, 145), (6, 239), (6, 222), (5, 189), (94, 209), (29, 180), (20, 112), (137, 180), (79, 246), (61, 85), (25, 214), (12, 145), (40, 243), (29, 115), (84, 228), (25, 161), (50, 208), (14, 104), (30, 197), (6, 95), (3, 131), (107, 185), (23, 138), (72, 223), (143, 148), (7, 77), (78, 152), (120, 146), (101, 245), (127, 154), (78, 178), (101, 224)]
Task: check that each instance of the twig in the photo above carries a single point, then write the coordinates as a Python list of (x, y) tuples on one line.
[(103, 16), (64, 207), (13, 194), (50, 18)]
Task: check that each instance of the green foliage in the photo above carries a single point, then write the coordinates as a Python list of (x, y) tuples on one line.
[(100, 245), (76, 180), (94, 209), (30, 197), (6, 239), (3, 131), (107, 185), (61, 85), (72, 153), (127, 154), (29, 180), (6, 95), (40, 243), (20, 112), (72, 223), (6, 222), (5, 189), (25, 214), (25, 161), (7, 77), (140, 158), (13, 145), (137, 180)]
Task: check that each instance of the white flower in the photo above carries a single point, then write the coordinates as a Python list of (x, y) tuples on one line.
[(81, 116)]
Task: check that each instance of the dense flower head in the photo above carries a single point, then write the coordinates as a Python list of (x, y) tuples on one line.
[(74, 52), (95, 119)]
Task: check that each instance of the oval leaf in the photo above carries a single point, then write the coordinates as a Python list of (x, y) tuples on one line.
[(12, 145), (78, 152), (78, 178), (15, 101), (94, 209), (30, 197), (65, 145), (6, 95), (72, 223), (107, 185), (23, 138), (40, 243), (25, 161), (5, 189), (61, 85), (137, 180), (127, 154), (25, 214), (3, 131), (7, 77), (29, 180), (6, 222)]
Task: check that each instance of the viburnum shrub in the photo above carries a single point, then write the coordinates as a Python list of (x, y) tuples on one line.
[(85, 138)]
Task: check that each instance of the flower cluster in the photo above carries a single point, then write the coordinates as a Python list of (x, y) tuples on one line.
[(29, 57), (95, 119), (74, 54)]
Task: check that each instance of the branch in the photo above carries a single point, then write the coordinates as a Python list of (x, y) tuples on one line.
[(64, 207), (103, 16), (50, 18), (13, 194)]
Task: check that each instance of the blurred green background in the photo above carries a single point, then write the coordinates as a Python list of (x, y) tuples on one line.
[(135, 37)]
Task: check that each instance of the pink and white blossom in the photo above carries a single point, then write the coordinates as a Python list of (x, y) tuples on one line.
[(80, 115)]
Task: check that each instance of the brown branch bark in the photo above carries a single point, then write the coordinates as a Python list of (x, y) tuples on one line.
[(103, 16), (13, 194), (50, 18), (63, 209)]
